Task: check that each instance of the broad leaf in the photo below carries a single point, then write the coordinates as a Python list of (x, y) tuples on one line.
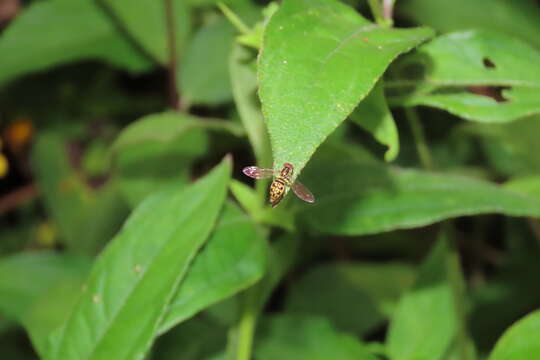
[(233, 259), (292, 337), (481, 76), (374, 115), (203, 75), (517, 17), (146, 22), (89, 35), (519, 342), (134, 279), (424, 323), (318, 60), (355, 196), (356, 297)]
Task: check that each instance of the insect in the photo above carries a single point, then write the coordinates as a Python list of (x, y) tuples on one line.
[(282, 180)]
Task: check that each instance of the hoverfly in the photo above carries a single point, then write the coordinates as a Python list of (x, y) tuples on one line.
[(281, 181)]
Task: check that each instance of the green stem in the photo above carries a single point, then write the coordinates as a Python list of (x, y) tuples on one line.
[(457, 284), (388, 10), (376, 7), (241, 336), (172, 68), (419, 138), (233, 18)]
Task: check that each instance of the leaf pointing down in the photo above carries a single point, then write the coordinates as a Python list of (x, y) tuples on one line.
[(318, 60)]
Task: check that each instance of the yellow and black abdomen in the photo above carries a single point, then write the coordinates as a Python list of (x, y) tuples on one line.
[(277, 190)]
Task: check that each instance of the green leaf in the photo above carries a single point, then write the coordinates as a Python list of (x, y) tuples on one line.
[(167, 126), (145, 21), (89, 35), (424, 323), (84, 218), (500, 66), (374, 116), (356, 196), (318, 60), (157, 151), (66, 197), (134, 279), (356, 297), (520, 341), (511, 148), (526, 185), (292, 337), (204, 76), (26, 276), (517, 18), (37, 290), (233, 259)]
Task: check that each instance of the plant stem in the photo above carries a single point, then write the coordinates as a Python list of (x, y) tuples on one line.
[(419, 138), (174, 98), (241, 336), (376, 10), (388, 10), (233, 18), (457, 284)]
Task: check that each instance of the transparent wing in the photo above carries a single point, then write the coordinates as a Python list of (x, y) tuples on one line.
[(303, 192), (257, 172)]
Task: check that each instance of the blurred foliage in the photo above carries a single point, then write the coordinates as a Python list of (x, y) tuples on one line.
[(124, 124)]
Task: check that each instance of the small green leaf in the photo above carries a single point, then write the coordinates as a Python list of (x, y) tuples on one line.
[(356, 297), (424, 323), (145, 21), (356, 196), (165, 127), (521, 341), (85, 218), (233, 259), (374, 115), (89, 35), (318, 60), (517, 18), (66, 197), (157, 151), (134, 279), (293, 337), (203, 75), (500, 66)]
